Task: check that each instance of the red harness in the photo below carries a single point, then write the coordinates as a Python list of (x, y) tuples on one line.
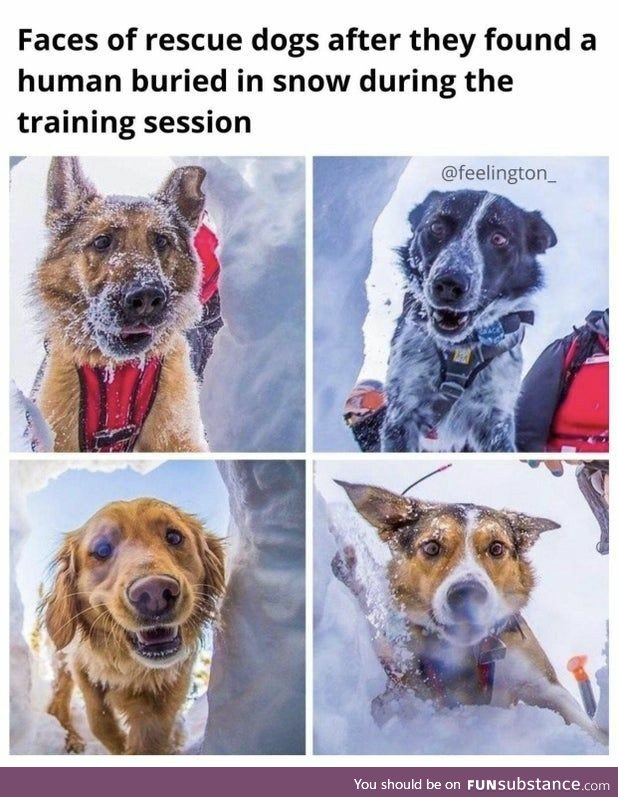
[(114, 404)]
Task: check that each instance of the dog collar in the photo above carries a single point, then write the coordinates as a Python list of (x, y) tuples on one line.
[(114, 404)]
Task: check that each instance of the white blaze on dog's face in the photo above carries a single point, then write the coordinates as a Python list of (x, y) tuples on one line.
[(457, 570), (472, 258)]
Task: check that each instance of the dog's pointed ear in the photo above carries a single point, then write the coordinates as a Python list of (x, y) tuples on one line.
[(387, 511), (60, 605), (528, 529), (539, 235), (67, 189), (183, 190), (416, 214)]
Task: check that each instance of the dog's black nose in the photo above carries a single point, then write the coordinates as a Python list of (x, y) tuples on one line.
[(464, 598), (152, 596), (143, 302), (449, 289)]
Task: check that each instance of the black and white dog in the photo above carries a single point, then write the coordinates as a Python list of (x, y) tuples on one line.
[(455, 363)]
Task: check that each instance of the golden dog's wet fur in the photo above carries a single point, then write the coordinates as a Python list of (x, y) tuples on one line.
[(74, 280), (132, 707), (465, 534)]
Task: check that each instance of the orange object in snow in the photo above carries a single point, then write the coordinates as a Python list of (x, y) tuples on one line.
[(576, 666)]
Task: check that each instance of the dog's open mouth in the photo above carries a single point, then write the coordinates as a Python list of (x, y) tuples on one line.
[(137, 335), (450, 322), (157, 642)]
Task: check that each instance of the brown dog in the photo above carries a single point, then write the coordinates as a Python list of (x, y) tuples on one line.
[(133, 588), (460, 576), (116, 290)]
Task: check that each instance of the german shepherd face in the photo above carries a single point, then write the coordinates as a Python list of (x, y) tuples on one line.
[(472, 256), (457, 570), (120, 274)]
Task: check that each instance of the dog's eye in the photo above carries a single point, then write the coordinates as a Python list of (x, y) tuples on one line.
[(439, 228), (161, 242), (499, 240), (102, 550), (102, 242), (173, 537), (496, 549), (431, 548)]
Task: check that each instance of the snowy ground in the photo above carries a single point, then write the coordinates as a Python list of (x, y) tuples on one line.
[(253, 393), (568, 616), (360, 216)]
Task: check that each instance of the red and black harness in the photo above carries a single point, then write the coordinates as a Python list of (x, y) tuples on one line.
[(115, 403)]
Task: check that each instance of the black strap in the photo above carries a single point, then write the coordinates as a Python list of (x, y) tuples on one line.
[(461, 365)]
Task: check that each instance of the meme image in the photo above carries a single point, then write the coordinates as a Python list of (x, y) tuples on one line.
[(147, 297), (471, 323), (461, 607), (146, 598)]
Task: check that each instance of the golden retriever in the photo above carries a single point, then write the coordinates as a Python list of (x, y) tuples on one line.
[(133, 589)]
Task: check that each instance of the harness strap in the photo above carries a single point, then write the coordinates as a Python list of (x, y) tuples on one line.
[(114, 404), (490, 650), (461, 365)]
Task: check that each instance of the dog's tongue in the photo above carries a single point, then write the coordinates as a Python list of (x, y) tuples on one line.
[(154, 636), (136, 329)]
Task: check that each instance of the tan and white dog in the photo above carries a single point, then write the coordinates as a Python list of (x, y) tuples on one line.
[(460, 575)]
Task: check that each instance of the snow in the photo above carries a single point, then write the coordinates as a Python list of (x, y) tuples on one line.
[(568, 616), (252, 398), (360, 212), (257, 691)]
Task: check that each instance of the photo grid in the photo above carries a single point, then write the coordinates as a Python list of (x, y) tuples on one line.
[(309, 457)]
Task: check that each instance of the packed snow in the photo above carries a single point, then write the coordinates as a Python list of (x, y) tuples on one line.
[(360, 217), (567, 616)]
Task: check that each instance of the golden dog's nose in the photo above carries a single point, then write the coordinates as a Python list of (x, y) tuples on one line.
[(153, 596)]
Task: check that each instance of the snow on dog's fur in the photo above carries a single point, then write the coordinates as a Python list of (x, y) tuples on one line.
[(459, 574), (471, 261), (119, 281)]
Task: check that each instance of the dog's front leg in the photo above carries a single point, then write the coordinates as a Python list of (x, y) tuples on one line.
[(60, 706), (556, 698), (152, 719), (497, 433), (101, 718)]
